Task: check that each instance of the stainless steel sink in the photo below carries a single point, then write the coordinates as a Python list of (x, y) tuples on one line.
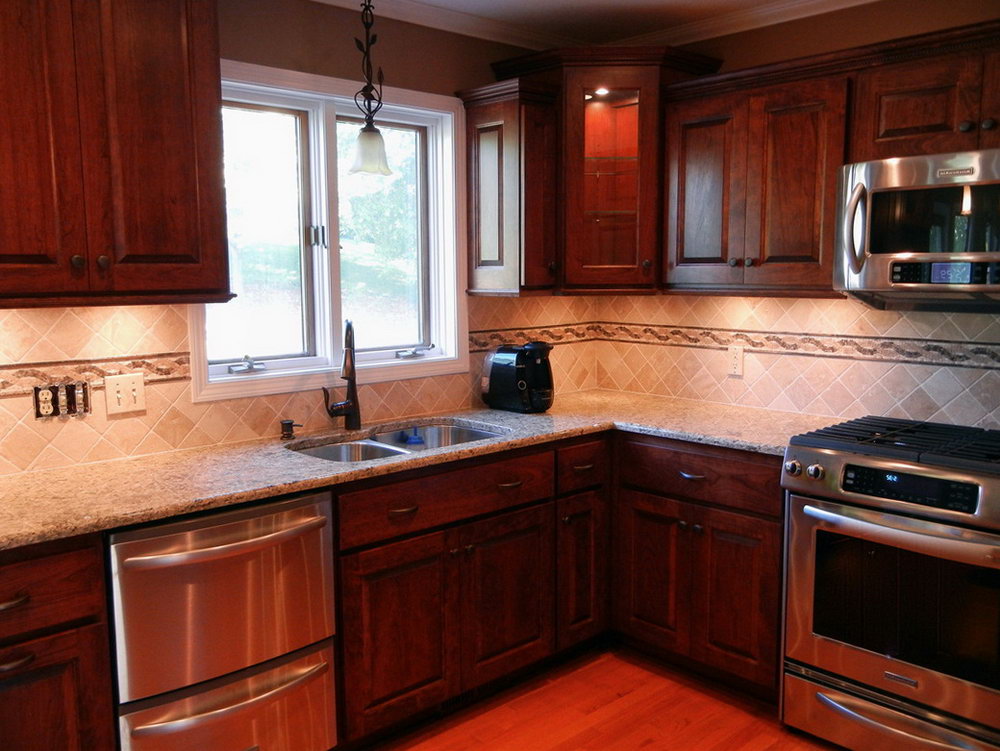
[(422, 437), (352, 451)]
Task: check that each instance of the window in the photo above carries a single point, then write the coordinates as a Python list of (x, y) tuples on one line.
[(311, 245)]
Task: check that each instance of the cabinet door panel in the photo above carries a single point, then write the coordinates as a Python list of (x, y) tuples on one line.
[(42, 219), (916, 108), (989, 137), (60, 698), (507, 593), (653, 570), (155, 182), (706, 155), (400, 631), (736, 601), (581, 567), (796, 147), (611, 164)]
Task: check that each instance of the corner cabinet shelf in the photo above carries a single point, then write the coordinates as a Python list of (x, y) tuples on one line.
[(112, 185)]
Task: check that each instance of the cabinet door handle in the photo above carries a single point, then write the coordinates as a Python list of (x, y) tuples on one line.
[(508, 485), (582, 467), (698, 529), (682, 524), (77, 261), (966, 125), (104, 262), (567, 519), (17, 662), (454, 551), (16, 602), (469, 549), (748, 262), (689, 476), (988, 124), (647, 264), (403, 511), (734, 262)]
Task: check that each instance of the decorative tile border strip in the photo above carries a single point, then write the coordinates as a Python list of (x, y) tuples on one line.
[(883, 349), (23, 377)]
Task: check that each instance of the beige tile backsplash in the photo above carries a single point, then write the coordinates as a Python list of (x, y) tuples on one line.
[(37, 344)]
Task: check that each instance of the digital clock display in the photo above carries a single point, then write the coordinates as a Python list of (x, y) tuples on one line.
[(951, 273)]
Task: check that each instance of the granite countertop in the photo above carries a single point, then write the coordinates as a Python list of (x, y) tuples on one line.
[(57, 503)]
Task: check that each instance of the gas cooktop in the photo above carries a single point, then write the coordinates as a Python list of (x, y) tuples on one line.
[(932, 443)]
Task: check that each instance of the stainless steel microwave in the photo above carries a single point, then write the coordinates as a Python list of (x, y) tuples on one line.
[(921, 233)]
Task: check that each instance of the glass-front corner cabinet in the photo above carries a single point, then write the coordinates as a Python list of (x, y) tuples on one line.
[(611, 158)]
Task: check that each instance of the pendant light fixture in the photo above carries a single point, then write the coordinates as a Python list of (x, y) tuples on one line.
[(370, 156)]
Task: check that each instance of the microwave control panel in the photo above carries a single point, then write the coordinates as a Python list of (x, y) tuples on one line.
[(919, 489), (934, 272)]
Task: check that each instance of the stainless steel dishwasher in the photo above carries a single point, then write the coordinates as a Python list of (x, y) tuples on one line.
[(223, 630)]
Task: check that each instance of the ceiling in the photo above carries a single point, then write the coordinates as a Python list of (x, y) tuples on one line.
[(540, 24)]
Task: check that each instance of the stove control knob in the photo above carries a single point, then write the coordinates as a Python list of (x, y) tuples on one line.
[(793, 468), (815, 471)]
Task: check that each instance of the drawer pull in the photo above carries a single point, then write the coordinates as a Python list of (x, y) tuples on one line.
[(193, 721), (582, 467), (689, 476), (18, 662), (163, 560), (698, 529), (508, 485), (567, 519), (403, 511), (455, 551), (469, 549), (17, 602)]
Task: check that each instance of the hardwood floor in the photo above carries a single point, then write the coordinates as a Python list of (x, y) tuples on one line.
[(613, 701)]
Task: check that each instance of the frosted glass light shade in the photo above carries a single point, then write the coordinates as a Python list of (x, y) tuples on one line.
[(370, 153)]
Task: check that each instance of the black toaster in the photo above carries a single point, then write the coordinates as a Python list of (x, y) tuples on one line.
[(518, 378)]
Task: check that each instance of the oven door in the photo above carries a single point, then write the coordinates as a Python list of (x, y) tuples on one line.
[(907, 606)]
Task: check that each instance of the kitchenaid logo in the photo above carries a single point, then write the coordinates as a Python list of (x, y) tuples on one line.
[(956, 172)]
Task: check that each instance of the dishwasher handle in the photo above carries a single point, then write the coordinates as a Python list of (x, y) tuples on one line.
[(192, 721), (216, 552)]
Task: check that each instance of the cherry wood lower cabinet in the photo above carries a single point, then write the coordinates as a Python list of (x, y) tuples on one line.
[(55, 673), (698, 559), (582, 546), (427, 618)]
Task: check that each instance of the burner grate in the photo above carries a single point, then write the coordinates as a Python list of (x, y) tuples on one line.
[(928, 442)]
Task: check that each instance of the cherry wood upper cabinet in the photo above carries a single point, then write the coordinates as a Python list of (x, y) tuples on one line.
[(752, 188), (122, 96), (611, 163), (511, 134), (926, 107)]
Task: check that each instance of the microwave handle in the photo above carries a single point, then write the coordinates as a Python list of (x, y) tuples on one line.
[(901, 532), (855, 256)]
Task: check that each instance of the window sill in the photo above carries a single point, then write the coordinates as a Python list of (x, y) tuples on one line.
[(264, 383)]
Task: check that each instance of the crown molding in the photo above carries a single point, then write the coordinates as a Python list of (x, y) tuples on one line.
[(457, 22), (741, 20)]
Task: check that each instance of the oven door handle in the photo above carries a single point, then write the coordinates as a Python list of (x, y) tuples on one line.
[(940, 739), (974, 548), (855, 256)]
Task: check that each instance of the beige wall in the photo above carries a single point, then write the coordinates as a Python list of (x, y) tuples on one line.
[(318, 38), (842, 29)]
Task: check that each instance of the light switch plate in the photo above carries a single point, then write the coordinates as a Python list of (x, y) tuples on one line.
[(125, 393)]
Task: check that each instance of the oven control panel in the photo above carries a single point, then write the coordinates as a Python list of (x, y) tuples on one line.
[(911, 488)]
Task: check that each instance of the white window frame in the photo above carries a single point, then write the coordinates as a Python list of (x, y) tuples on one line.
[(444, 118)]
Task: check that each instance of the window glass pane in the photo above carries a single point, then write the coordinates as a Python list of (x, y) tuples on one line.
[(381, 238), (264, 168)]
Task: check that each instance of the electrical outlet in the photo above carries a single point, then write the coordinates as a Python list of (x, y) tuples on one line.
[(125, 393), (736, 361), (45, 404)]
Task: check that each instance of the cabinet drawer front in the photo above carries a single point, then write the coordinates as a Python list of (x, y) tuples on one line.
[(45, 592), (367, 516), (720, 476), (582, 466)]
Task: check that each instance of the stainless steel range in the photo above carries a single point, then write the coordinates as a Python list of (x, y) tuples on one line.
[(892, 560)]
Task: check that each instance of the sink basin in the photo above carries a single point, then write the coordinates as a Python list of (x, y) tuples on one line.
[(352, 451), (421, 437)]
